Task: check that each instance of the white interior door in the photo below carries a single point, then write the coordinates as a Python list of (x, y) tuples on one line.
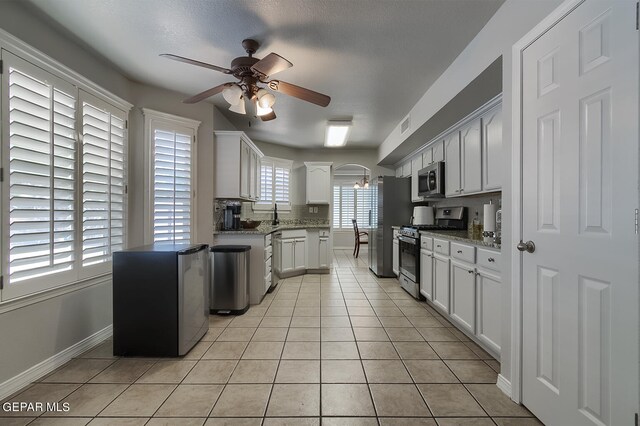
[(580, 192)]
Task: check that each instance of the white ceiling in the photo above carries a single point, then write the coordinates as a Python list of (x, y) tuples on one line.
[(375, 58)]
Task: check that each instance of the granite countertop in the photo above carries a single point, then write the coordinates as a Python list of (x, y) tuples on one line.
[(396, 226), (462, 236), (264, 229)]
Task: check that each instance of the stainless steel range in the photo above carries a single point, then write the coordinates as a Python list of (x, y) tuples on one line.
[(446, 218)]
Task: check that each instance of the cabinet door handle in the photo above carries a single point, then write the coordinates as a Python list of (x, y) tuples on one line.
[(477, 274), (460, 251), (491, 259), (438, 245), (471, 272)]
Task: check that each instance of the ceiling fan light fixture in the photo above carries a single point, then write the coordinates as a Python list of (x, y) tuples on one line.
[(260, 111), (265, 99), (233, 94), (238, 108), (337, 133)]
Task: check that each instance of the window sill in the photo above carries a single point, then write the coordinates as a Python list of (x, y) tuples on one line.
[(23, 301)]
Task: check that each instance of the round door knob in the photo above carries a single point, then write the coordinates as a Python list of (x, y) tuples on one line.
[(529, 246)]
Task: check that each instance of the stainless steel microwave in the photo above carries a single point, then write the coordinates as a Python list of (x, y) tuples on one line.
[(431, 181)]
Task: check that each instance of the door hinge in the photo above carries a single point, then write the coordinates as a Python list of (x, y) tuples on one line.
[(1, 174), (636, 221), (126, 189), (1, 67), (2, 288), (637, 15), (126, 124), (636, 419)]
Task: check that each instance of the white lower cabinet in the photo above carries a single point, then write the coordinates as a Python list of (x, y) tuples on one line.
[(426, 274), (317, 245), (323, 254), (396, 256), (286, 255), (489, 308), (299, 253), (463, 282), (441, 282), (463, 295)]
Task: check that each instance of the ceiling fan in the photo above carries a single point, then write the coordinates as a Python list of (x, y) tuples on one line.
[(252, 73)]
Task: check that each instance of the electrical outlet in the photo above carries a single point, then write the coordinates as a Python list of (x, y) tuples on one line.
[(310, 209), (315, 210)]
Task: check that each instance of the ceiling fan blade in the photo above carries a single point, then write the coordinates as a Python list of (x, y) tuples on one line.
[(194, 62), (269, 117), (206, 93), (300, 92), (271, 64)]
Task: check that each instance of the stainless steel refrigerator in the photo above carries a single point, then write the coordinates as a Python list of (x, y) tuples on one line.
[(390, 205)]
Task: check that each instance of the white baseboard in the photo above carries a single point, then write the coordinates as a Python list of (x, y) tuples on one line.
[(43, 368), (504, 385)]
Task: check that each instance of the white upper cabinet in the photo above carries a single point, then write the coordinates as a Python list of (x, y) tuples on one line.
[(452, 164), (237, 166), (437, 152), (492, 150), (471, 160), (318, 183), (416, 165), (406, 169), (433, 154)]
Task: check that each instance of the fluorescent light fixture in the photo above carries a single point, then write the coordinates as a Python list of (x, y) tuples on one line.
[(337, 133)]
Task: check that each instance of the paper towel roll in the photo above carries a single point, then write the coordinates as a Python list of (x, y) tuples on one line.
[(490, 217)]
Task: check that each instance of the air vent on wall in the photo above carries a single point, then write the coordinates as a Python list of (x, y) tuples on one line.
[(404, 126)]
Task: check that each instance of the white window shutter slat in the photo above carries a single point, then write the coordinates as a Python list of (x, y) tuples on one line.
[(172, 188), (42, 155), (103, 165)]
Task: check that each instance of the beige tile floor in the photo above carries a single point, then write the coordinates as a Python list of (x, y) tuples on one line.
[(339, 349)]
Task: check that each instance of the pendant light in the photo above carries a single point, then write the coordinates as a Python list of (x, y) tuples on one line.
[(364, 183)]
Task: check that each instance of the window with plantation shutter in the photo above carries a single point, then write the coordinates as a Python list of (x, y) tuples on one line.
[(266, 184), (171, 186), (350, 203), (63, 196), (275, 176), (171, 171), (42, 160), (103, 180)]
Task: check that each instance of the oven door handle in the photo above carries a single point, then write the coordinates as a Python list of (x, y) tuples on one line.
[(408, 240)]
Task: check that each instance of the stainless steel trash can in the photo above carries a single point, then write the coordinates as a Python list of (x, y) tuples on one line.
[(229, 279)]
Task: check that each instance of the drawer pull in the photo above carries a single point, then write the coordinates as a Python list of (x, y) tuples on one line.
[(438, 245), (471, 272), (460, 251), (491, 259)]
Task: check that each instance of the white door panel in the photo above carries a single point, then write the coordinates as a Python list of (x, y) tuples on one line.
[(580, 188)]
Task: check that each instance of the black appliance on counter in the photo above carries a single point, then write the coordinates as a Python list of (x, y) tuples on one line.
[(446, 219), (160, 299), (232, 217)]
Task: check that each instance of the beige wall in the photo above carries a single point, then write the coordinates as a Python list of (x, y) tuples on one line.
[(35, 332)]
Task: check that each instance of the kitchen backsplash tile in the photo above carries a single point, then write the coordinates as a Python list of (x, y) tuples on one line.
[(297, 215), (473, 203)]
